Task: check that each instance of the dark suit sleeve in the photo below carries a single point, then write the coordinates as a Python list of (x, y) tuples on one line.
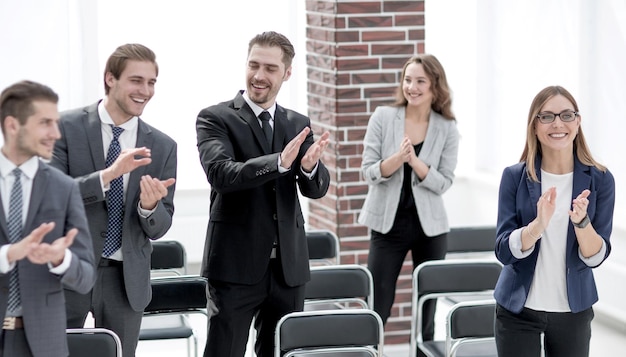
[(508, 207), (80, 276), (90, 185), (159, 222), (316, 186), (226, 170)]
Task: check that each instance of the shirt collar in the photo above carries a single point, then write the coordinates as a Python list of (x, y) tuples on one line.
[(29, 167), (256, 109), (106, 119)]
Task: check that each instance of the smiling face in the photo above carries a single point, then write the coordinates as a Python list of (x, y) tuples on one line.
[(558, 135), (37, 135), (416, 86), (129, 94), (265, 74)]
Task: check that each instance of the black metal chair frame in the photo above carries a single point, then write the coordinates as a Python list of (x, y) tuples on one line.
[(358, 332)]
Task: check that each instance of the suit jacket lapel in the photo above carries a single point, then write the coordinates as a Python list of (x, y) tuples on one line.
[(37, 193), (144, 138), (246, 113), (93, 132), (432, 135), (3, 225), (398, 127), (280, 129)]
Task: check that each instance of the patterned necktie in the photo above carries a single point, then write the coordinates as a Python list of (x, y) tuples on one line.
[(267, 128), (115, 199), (15, 234)]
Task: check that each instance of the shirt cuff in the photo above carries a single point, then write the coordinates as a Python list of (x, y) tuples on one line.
[(65, 264), (311, 174), (145, 213), (104, 188), (281, 169), (5, 266), (595, 259), (515, 244)]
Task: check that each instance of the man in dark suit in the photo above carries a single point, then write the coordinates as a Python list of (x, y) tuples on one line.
[(128, 199), (254, 153), (44, 239)]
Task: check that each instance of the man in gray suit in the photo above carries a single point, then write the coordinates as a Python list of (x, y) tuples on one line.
[(128, 199), (44, 237)]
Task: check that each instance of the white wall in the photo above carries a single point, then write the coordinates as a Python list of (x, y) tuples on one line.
[(497, 54)]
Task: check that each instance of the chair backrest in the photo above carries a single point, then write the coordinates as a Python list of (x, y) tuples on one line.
[(343, 284), (475, 278), (479, 239), (168, 255), (177, 294), (93, 342), (471, 322), (323, 247), (328, 332)]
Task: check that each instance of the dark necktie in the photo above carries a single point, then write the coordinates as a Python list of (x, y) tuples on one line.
[(15, 234), (115, 199), (267, 128)]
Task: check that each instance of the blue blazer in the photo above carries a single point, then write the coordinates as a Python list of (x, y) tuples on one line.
[(517, 206)]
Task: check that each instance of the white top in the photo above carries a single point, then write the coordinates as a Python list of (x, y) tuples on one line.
[(548, 291)]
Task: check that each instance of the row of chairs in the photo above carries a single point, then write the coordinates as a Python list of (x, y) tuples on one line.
[(327, 322)]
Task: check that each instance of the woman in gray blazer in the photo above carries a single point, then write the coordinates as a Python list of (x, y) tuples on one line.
[(409, 157)]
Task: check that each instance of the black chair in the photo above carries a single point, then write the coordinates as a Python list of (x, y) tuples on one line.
[(323, 247), (168, 257), (470, 329), (473, 279), (173, 298), (352, 332), (470, 240), (166, 317), (93, 342), (339, 286)]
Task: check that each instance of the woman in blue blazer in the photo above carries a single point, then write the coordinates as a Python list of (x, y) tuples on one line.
[(409, 157), (555, 217)]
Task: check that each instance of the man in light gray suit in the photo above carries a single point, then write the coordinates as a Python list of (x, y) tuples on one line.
[(128, 199), (44, 238)]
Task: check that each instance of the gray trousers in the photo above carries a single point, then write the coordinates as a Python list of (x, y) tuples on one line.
[(110, 308)]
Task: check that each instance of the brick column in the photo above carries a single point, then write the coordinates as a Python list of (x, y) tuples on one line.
[(355, 51)]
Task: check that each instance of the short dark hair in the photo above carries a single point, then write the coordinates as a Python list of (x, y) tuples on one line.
[(274, 39), (17, 100), (116, 64)]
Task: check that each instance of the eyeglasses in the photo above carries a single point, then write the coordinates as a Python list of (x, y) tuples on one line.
[(566, 116)]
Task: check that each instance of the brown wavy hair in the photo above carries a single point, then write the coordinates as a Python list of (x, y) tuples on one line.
[(442, 99)]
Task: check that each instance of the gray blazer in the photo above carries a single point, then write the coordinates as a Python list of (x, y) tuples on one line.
[(80, 154), (54, 198), (384, 135)]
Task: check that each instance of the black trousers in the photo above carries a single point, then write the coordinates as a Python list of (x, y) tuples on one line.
[(233, 306), (387, 254), (566, 334)]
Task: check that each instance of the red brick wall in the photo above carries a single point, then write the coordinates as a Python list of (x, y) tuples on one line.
[(355, 51)]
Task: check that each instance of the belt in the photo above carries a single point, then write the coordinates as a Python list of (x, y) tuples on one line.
[(106, 262), (12, 323)]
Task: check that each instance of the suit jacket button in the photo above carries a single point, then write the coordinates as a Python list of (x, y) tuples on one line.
[(103, 234), (275, 216)]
